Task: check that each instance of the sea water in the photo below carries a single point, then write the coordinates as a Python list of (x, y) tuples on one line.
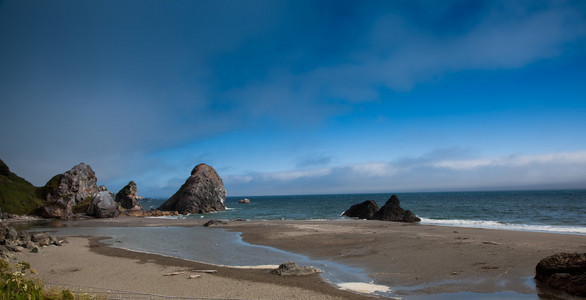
[(557, 211)]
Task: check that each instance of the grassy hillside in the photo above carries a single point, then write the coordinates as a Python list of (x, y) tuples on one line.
[(17, 196)]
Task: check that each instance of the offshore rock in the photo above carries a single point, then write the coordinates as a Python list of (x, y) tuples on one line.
[(103, 206), (565, 271), (291, 268), (201, 193), (67, 189), (391, 211), (364, 210), (127, 196)]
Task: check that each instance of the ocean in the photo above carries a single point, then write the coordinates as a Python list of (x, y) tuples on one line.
[(556, 211)]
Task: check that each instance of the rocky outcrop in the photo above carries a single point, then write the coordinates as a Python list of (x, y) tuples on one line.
[(565, 271), (12, 241), (364, 210), (244, 201), (103, 206), (67, 189), (203, 192), (127, 196), (291, 268), (391, 211)]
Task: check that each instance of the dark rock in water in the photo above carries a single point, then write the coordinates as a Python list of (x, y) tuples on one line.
[(364, 210), (291, 268), (203, 192), (214, 222), (103, 206), (67, 189), (127, 196), (391, 211), (565, 271)]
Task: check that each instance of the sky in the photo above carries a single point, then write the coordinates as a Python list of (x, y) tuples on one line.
[(297, 97)]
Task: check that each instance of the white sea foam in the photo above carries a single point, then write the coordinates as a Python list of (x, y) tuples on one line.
[(363, 287), (506, 226)]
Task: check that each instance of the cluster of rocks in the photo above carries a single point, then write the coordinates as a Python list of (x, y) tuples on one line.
[(391, 211), (202, 192), (564, 271), (78, 187), (12, 241)]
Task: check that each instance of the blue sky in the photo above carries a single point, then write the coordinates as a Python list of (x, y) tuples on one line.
[(297, 97)]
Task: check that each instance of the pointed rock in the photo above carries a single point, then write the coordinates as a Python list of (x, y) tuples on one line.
[(391, 211), (202, 192), (127, 196)]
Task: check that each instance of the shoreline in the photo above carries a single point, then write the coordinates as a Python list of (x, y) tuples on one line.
[(412, 259)]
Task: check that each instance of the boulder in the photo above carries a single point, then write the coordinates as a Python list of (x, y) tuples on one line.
[(214, 222), (391, 211), (127, 196), (565, 271), (364, 210), (67, 189), (244, 201), (291, 268), (103, 206), (202, 192)]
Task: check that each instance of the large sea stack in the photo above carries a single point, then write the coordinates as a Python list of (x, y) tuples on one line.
[(127, 196), (203, 192), (70, 188)]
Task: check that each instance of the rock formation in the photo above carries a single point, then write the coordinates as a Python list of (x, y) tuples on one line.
[(65, 190), (127, 196), (103, 206), (565, 271), (391, 211), (364, 210), (291, 268), (12, 241), (244, 201), (203, 192)]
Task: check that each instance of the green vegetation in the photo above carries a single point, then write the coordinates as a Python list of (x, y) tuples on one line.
[(83, 206), (127, 189), (17, 196), (16, 282)]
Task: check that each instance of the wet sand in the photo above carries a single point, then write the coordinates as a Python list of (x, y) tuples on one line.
[(412, 259)]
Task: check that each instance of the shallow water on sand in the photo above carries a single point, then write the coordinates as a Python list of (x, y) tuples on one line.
[(210, 245)]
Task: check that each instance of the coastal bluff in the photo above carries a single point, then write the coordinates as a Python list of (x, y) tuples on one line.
[(202, 192)]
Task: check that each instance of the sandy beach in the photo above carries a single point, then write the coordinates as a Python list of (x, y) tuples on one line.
[(412, 259)]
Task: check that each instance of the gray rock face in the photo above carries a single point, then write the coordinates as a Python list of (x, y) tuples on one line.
[(67, 189), (565, 271), (103, 206), (127, 196), (391, 211), (203, 192)]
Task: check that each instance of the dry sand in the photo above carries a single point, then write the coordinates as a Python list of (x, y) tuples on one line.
[(410, 258)]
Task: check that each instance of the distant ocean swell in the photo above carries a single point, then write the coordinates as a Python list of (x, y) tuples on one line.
[(558, 211)]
